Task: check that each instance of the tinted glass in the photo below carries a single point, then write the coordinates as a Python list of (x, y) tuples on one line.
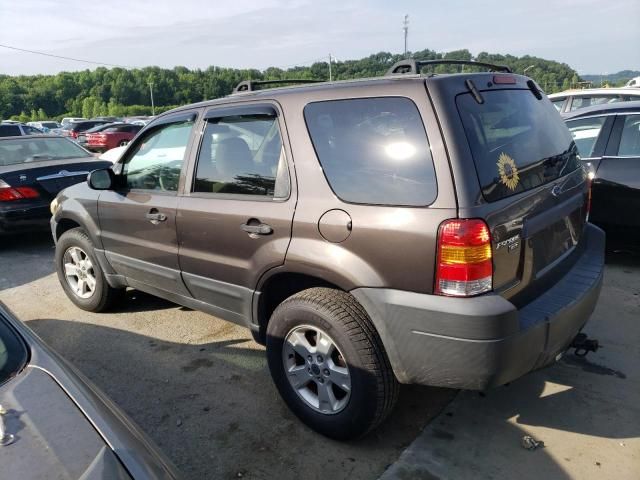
[(157, 160), (517, 141), (31, 131), (13, 353), (9, 131), (373, 150), (242, 155), (585, 132), (630, 139), (558, 104), (24, 150)]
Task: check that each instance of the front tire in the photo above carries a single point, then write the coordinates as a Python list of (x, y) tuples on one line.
[(80, 274), (329, 364)]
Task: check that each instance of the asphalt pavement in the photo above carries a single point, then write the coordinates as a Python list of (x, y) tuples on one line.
[(199, 386), (201, 389)]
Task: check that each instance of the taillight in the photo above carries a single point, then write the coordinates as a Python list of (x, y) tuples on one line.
[(9, 193), (464, 267)]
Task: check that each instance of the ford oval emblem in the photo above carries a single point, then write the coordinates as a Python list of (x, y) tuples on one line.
[(557, 190)]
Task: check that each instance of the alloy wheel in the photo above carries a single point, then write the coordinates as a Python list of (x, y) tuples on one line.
[(79, 272), (316, 369)]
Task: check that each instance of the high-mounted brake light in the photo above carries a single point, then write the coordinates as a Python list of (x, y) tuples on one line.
[(9, 193), (504, 79), (464, 265)]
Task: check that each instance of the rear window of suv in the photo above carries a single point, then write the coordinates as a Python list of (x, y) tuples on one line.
[(373, 150), (517, 141)]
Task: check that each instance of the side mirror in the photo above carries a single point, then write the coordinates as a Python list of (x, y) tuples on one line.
[(101, 179)]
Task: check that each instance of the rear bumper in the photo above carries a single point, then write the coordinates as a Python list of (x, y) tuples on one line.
[(476, 343), (17, 218)]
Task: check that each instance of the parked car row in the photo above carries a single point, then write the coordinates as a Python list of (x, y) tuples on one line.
[(572, 100)]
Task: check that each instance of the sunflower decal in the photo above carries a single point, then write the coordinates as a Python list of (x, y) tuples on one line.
[(508, 171)]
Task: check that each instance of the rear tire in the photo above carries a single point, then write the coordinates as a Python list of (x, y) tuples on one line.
[(80, 274), (358, 361)]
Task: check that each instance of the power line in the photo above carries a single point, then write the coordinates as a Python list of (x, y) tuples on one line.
[(63, 57)]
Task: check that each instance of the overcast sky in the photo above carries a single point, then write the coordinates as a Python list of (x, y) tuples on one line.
[(592, 36)]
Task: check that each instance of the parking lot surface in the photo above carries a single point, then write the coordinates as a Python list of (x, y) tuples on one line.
[(199, 386), (201, 389)]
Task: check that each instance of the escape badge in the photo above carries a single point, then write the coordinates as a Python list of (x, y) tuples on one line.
[(508, 171)]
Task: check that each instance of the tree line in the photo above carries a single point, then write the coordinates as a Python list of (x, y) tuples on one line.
[(124, 92)]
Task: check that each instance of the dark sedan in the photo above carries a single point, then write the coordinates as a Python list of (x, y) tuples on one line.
[(608, 139), (55, 424), (33, 169)]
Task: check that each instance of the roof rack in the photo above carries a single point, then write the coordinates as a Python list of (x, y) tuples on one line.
[(411, 65), (249, 85)]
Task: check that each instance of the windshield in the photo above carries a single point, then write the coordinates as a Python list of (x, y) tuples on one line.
[(19, 150), (13, 353), (517, 141)]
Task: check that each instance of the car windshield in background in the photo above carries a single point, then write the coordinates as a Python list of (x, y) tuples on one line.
[(373, 150), (517, 141), (13, 352), (24, 150)]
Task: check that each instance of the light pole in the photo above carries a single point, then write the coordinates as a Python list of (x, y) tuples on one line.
[(405, 28), (524, 72), (330, 74), (153, 107)]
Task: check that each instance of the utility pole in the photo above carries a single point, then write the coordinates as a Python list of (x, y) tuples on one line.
[(405, 28), (330, 74), (153, 107)]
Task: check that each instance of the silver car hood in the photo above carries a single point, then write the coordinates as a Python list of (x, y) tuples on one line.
[(51, 437), (107, 437)]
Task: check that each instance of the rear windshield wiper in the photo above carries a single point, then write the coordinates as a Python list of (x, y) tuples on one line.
[(474, 91)]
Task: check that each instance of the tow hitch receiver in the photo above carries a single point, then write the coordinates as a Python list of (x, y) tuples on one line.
[(584, 345)]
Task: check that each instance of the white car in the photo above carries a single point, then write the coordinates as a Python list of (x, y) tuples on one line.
[(67, 120), (634, 82), (571, 100)]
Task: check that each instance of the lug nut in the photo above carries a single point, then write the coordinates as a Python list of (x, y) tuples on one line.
[(326, 371), (309, 358), (320, 359), (321, 380)]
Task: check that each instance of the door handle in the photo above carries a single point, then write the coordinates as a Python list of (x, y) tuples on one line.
[(259, 229), (156, 217)]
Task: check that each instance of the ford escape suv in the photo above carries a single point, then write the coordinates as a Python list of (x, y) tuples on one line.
[(426, 229)]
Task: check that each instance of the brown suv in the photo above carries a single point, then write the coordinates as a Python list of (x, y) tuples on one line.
[(404, 229)]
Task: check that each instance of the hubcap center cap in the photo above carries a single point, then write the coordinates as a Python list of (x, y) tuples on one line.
[(315, 369)]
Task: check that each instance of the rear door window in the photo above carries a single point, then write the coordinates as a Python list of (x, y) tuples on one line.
[(630, 138), (517, 141), (9, 131), (373, 150), (585, 132), (243, 155)]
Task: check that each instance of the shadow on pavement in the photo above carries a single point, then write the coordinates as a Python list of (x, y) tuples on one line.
[(215, 411), (33, 250)]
